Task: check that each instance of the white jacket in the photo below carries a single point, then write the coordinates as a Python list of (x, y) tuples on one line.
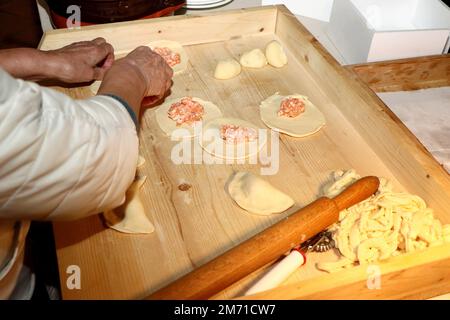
[(62, 158)]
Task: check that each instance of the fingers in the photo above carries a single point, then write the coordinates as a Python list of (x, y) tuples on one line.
[(99, 41), (103, 51), (99, 73), (168, 84), (107, 62), (153, 67)]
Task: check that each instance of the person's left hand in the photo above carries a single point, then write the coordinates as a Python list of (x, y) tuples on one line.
[(82, 61)]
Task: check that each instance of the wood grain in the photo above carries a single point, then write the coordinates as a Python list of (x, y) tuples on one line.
[(418, 275), (406, 74), (195, 225), (247, 257)]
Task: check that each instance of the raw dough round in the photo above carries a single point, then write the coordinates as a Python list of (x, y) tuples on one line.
[(213, 143), (275, 54), (257, 195), (307, 123), (227, 69), (175, 47), (211, 111), (253, 59)]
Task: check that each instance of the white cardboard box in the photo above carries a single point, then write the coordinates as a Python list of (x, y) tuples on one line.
[(377, 30), (316, 9)]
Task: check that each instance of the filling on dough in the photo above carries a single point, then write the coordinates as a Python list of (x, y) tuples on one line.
[(293, 114), (171, 58), (185, 129), (231, 138), (291, 107), (173, 53), (186, 111), (237, 134), (386, 224)]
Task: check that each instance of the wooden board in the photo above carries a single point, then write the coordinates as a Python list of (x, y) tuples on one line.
[(406, 74), (196, 225)]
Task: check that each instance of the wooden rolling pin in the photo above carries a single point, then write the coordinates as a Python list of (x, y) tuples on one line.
[(270, 244)]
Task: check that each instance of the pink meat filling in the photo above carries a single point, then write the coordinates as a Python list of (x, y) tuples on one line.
[(171, 58), (291, 107), (237, 134), (186, 111)]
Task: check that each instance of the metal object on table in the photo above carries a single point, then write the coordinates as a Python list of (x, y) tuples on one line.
[(322, 242), (282, 270)]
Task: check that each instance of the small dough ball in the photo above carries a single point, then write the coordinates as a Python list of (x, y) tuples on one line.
[(227, 69), (253, 59), (275, 54), (256, 195)]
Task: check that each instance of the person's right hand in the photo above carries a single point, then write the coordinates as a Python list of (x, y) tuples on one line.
[(142, 73), (156, 73)]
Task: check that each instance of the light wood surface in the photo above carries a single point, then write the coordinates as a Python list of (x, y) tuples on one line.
[(405, 74), (198, 224), (253, 254)]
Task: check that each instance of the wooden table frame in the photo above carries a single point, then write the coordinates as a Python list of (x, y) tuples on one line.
[(409, 74), (406, 74)]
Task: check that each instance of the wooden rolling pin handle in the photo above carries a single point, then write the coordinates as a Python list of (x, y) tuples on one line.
[(238, 262), (357, 192)]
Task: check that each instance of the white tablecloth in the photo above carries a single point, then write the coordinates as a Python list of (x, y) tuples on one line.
[(427, 114)]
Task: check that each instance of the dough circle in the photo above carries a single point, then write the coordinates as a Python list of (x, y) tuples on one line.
[(308, 123), (211, 111), (175, 47), (253, 59), (275, 54), (172, 45), (227, 69), (256, 195), (212, 142)]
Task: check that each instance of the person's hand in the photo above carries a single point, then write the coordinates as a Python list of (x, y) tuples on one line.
[(156, 73), (142, 73), (82, 61)]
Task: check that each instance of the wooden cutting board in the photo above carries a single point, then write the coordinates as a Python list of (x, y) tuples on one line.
[(197, 223)]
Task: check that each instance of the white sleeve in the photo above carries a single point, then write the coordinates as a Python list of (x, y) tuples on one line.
[(62, 158)]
